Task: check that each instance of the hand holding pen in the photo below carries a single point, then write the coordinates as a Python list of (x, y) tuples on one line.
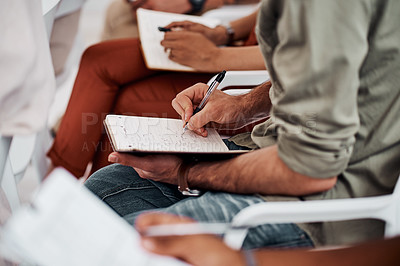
[(211, 88)]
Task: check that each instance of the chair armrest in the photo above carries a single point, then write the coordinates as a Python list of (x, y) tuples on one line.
[(379, 207)]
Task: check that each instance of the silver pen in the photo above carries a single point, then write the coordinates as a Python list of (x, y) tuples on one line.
[(210, 90), (189, 229)]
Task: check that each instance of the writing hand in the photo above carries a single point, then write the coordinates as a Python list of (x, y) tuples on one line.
[(217, 35), (221, 110), (192, 49)]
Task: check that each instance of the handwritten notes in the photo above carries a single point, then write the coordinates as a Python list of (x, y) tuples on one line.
[(133, 133)]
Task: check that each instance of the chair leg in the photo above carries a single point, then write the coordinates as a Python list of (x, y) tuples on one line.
[(40, 162), (9, 186), (5, 143)]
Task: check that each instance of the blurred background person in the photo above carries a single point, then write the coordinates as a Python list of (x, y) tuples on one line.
[(120, 21)]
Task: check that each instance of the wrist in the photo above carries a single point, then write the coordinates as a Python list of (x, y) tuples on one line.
[(228, 34), (220, 35), (194, 176), (183, 184)]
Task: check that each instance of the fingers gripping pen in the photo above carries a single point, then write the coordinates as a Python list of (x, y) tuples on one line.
[(210, 90)]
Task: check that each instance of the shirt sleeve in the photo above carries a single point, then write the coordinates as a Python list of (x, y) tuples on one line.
[(315, 62)]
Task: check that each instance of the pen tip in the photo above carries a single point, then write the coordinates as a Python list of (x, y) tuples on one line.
[(184, 130)]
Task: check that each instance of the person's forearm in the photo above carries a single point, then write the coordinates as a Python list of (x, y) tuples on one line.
[(384, 252), (239, 58), (257, 103), (260, 171), (212, 4), (243, 26), (250, 107), (240, 2)]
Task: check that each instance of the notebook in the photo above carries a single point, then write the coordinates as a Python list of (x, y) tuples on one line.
[(161, 135), (150, 37)]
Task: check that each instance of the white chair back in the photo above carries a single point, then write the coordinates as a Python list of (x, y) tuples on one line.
[(49, 10), (17, 151), (241, 78)]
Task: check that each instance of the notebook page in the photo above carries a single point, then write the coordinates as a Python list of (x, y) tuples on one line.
[(150, 36), (160, 135), (68, 225)]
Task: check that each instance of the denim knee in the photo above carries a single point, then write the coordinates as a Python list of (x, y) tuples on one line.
[(110, 177)]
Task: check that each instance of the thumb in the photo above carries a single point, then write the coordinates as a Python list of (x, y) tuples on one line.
[(113, 157), (121, 158)]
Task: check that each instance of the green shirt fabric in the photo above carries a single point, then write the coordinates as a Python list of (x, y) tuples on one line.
[(335, 72)]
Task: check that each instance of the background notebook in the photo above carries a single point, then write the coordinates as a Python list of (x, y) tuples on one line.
[(150, 37)]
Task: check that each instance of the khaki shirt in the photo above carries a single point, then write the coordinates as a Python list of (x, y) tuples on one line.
[(335, 70)]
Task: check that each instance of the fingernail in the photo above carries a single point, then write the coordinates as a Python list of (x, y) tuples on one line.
[(186, 117), (112, 158), (148, 244)]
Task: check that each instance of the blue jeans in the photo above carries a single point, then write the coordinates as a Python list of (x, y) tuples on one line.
[(128, 194)]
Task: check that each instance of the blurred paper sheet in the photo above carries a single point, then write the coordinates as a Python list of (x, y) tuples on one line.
[(68, 225)]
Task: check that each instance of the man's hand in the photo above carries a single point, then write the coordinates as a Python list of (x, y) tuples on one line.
[(176, 6), (163, 168), (192, 49), (195, 250), (222, 110)]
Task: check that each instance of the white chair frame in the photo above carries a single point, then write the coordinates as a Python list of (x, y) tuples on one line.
[(18, 152), (241, 78)]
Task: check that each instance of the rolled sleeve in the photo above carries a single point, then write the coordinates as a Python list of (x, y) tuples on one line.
[(320, 47)]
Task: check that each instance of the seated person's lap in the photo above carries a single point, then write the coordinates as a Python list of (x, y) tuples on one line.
[(128, 194)]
